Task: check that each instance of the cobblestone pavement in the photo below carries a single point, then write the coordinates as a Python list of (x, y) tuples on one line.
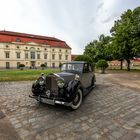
[(109, 112)]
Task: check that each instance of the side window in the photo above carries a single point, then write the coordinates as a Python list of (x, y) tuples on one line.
[(86, 68), (90, 68)]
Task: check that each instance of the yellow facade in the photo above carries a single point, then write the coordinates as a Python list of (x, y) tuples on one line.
[(32, 55)]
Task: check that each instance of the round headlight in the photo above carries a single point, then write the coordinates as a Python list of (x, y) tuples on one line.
[(41, 81), (60, 83)]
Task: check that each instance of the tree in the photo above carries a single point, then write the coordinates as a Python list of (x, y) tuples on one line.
[(43, 66), (99, 49), (102, 64), (125, 33), (83, 58), (21, 66)]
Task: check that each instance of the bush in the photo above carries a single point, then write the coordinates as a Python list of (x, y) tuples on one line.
[(102, 64), (42, 66), (21, 66)]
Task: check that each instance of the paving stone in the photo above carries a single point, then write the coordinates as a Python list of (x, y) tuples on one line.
[(18, 125), (52, 137), (1, 114), (96, 136), (84, 118), (110, 111), (85, 127), (77, 120), (116, 134), (31, 120)]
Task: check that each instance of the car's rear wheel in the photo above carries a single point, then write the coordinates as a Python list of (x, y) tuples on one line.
[(77, 100)]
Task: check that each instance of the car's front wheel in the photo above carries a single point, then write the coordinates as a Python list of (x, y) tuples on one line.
[(77, 100)]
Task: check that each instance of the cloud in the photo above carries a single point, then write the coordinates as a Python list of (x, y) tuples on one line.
[(100, 6), (111, 17), (78, 22)]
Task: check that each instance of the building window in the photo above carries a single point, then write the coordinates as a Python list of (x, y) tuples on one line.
[(26, 55), (18, 54), (45, 49), (66, 57), (32, 55), (53, 65), (7, 55), (26, 63), (45, 56), (26, 48), (53, 56), (7, 65), (66, 51), (60, 56), (18, 63), (53, 50), (60, 50), (17, 47), (38, 48), (38, 56)]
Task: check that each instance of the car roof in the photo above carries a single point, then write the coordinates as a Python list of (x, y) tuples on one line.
[(75, 62)]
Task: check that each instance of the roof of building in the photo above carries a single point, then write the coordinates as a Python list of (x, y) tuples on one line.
[(9, 36), (73, 56)]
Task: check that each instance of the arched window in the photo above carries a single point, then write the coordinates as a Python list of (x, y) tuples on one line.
[(32, 53)]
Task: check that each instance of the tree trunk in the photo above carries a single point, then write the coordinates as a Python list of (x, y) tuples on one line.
[(121, 64), (102, 70), (128, 64)]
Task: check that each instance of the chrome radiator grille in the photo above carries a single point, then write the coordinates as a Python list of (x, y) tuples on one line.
[(51, 84)]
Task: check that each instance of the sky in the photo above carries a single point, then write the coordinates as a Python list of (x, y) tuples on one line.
[(77, 22)]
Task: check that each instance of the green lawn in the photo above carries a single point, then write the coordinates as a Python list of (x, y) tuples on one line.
[(26, 75), (23, 75)]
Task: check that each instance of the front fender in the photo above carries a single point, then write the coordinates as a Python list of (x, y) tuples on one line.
[(72, 88)]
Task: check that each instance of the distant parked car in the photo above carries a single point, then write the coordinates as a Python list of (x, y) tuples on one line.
[(68, 87)]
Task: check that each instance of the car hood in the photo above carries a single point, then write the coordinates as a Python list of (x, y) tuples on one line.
[(67, 76)]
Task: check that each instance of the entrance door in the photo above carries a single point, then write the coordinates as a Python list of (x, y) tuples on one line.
[(87, 75), (53, 65), (7, 65), (33, 64)]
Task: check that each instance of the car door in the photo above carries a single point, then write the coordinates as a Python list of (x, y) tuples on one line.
[(87, 75)]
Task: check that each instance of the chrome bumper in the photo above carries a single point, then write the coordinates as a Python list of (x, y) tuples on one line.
[(50, 101), (63, 103)]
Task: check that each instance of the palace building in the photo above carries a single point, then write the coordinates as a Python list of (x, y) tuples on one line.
[(31, 50)]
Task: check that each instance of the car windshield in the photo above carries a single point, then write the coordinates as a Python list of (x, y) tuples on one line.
[(72, 67)]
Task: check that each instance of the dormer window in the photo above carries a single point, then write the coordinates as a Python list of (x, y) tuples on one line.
[(18, 40)]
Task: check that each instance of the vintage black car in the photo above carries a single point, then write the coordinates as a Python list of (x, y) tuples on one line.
[(68, 87)]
